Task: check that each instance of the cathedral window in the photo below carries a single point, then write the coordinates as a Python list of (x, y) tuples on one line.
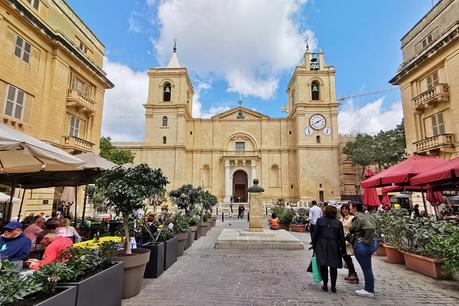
[(164, 140), (274, 177), (315, 90), (240, 146), (164, 120), (167, 91), (317, 139)]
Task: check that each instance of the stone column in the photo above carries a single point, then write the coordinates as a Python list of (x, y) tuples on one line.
[(253, 170), (227, 182), (256, 207)]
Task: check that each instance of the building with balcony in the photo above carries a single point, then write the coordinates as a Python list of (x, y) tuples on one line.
[(294, 158), (429, 82), (52, 83)]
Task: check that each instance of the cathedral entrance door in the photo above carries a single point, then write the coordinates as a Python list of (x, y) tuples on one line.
[(240, 183)]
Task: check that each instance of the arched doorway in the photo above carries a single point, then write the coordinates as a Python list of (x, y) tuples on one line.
[(240, 186)]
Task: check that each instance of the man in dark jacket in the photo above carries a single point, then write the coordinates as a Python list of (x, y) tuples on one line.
[(14, 246)]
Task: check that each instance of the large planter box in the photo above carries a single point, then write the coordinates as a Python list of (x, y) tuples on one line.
[(134, 268), (198, 232), (425, 265), (191, 235), (284, 226), (394, 256), (101, 289), (299, 228), (203, 227), (182, 239), (155, 266), (381, 251), (170, 252), (214, 221), (66, 296)]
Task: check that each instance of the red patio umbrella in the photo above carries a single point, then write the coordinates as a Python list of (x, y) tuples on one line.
[(435, 197), (403, 171), (447, 171), (370, 195)]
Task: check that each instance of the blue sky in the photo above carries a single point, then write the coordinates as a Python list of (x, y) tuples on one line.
[(253, 42)]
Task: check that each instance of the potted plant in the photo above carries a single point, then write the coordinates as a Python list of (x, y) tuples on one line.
[(167, 236), (286, 218), (155, 264), (193, 222), (204, 225), (126, 189), (182, 231), (37, 289), (208, 201), (299, 221), (381, 230), (394, 232)]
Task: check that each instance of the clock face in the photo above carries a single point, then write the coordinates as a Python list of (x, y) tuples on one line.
[(327, 131), (308, 131), (317, 121)]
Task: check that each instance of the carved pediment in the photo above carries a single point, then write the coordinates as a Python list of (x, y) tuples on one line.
[(239, 113)]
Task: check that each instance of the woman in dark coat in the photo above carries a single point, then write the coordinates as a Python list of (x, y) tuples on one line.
[(329, 246)]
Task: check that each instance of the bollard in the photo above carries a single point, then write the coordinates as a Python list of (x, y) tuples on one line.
[(266, 209), (248, 217), (223, 216), (217, 211)]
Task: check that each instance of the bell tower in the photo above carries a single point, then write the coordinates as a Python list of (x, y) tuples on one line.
[(169, 105), (313, 109)]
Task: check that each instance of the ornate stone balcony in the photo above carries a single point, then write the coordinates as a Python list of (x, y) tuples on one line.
[(78, 100), (241, 154), (77, 144), (444, 141), (437, 94)]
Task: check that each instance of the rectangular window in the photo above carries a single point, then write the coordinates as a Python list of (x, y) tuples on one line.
[(240, 146), (74, 126), (15, 102), (82, 87), (438, 125), (34, 3), (22, 49), (432, 80), (83, 48)]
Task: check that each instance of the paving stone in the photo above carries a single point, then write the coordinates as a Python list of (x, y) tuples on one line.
[(208, 276)]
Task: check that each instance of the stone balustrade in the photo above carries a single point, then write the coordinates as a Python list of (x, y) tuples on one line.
[(76, 143), (75, 98), (439, 93), (435, 142)]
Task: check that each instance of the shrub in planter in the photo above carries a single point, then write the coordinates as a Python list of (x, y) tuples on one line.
[(167, 236), (186, 197), (181, 230), (299, 221), (126, 189), (193, 222), (286, 217)]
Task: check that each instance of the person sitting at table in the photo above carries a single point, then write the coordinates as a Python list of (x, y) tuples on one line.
[(66, 230), (54, 245), (33, 230), (14, 246), (273, 222)]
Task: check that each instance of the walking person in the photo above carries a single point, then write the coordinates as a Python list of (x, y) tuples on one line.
[(314, 213), (329, 246), (241, 211), (347, 221), (363, 228)]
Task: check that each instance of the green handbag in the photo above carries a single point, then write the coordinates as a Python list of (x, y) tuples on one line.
[(315, 270)]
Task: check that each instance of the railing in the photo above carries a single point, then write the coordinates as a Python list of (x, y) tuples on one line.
[(436, 94), (435, 142), (241, 153), (76, 98), (72, 142)]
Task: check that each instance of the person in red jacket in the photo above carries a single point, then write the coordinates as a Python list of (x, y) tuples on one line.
[(54, 245)]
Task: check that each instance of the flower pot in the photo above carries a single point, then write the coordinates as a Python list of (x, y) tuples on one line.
[(191, 235), (101, 289), (198, 232), (394, 256), (284, 226), (134, 268), (425, 265), (209, 225), (66, 296), (300, 228), (170, 252), (381, 251), (182, 239), (214, 221), (203, 228), (155, 265)]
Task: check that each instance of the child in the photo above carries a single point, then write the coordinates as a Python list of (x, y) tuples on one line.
[(273, 222)]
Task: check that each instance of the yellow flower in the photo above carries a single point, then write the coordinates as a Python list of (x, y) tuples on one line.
[(94, 245)]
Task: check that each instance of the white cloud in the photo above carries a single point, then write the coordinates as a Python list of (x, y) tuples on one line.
[(134, 22), (370, 118), (123, 117), (197, 105), (249, 41)]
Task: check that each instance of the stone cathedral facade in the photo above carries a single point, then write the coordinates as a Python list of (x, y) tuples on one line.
[(294, 158)]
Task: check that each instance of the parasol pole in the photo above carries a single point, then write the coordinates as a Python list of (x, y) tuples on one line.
[(84, 203), (76, 212), (424, 201), (10, 204), (22, 202)]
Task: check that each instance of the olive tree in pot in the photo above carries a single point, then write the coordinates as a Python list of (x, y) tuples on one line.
[(182, 231), (193, 222), (208, 201), (187, 198), (167, 236), (126, 189), (299, 221)]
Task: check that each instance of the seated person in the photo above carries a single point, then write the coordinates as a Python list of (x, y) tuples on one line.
[(14, 246), (66, 230), (34, 229), (54, 245), (273, 222)]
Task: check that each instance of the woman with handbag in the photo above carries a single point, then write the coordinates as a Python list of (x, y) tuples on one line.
[(363, 229), (329, 246), (347, 221)]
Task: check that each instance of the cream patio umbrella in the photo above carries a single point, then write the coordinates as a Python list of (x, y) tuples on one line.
[(21, 153)]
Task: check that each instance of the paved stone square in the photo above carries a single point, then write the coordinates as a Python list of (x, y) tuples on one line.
[(208, 276)]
